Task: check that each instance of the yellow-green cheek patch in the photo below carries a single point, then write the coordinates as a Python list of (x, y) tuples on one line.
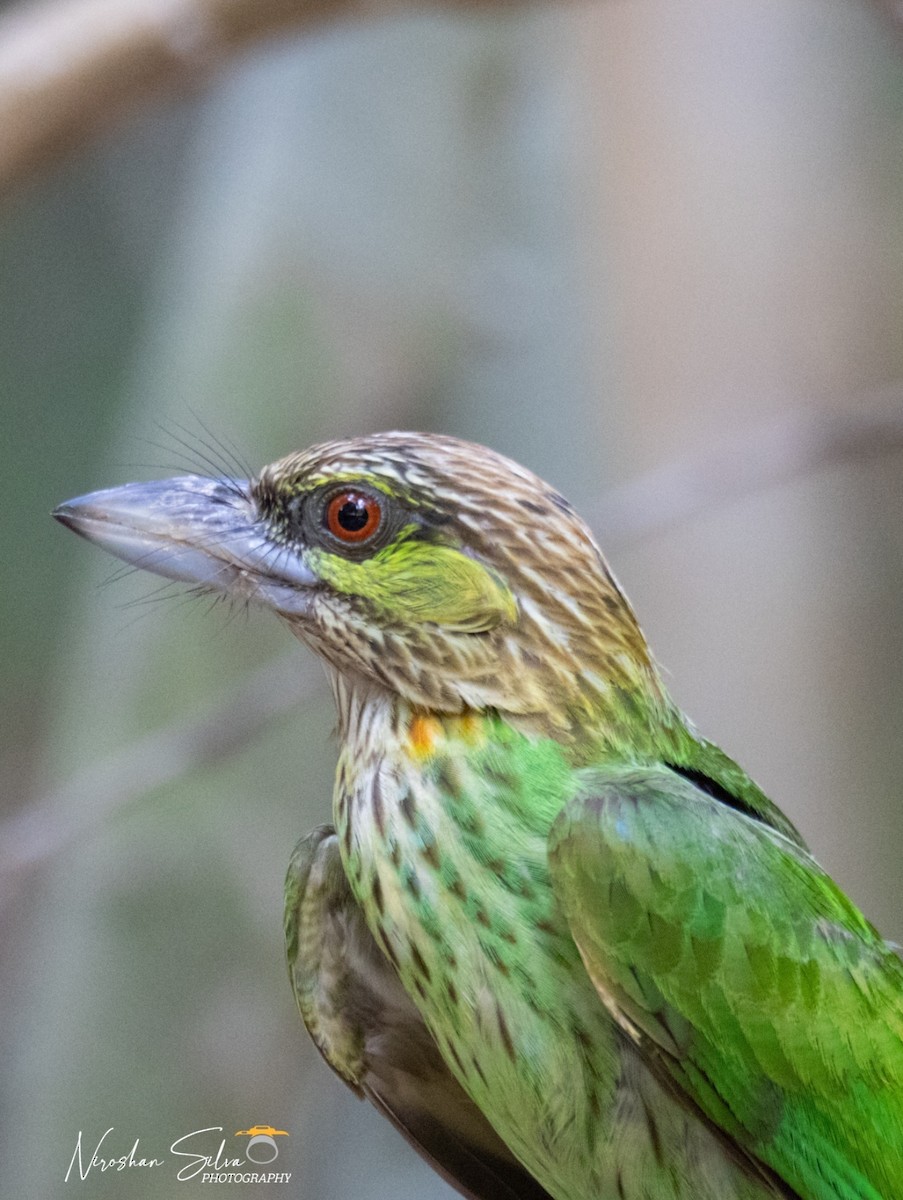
[(417, 583)]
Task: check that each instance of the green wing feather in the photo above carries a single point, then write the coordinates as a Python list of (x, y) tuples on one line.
[(746, 975)]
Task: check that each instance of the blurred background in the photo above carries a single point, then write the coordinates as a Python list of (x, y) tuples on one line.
[(653, 251)]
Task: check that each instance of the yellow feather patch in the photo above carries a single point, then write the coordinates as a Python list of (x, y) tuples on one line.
[(423, 733), (426, 731), (421, 582)]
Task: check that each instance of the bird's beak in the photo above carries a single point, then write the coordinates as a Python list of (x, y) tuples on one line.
[(203, 531)]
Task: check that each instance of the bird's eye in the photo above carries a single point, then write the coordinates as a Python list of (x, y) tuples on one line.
[(353, 517)]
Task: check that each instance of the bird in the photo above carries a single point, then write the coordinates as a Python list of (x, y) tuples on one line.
[(557, 937)]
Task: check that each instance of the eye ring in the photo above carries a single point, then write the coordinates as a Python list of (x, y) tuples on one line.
[(353, 516)]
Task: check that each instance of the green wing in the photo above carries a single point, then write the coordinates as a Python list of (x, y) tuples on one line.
[(745, 975), (370, 1033)]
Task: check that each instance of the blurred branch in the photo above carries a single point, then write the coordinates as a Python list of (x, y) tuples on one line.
[(789, 448), (69, 68), (792, 446), (74, 810)]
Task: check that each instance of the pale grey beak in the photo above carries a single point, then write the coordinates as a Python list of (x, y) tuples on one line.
[(202, 531)]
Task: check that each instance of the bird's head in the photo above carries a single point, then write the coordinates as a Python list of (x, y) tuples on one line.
[(426, 566)]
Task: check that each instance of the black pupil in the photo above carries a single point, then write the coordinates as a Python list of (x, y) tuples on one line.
[(353, 514)]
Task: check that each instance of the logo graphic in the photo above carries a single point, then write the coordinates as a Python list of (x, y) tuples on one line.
[(262, 1141), (202, 1154)]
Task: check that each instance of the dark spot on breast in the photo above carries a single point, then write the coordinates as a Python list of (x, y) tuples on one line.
[(430, 854), (499, 776), (456, 887), (419, 963), (509, 936), (468, 822), (451, 991), (479, 1071), (389, 951), (457, 1059), (505, 1033), (412, 882), (539, 509), (482, 918), (409, 810), (445, 779), (376, 892)]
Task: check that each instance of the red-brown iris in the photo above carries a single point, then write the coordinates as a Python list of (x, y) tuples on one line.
[(353, 517)]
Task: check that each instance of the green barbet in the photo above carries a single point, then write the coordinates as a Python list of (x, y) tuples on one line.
[(564, 943)]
